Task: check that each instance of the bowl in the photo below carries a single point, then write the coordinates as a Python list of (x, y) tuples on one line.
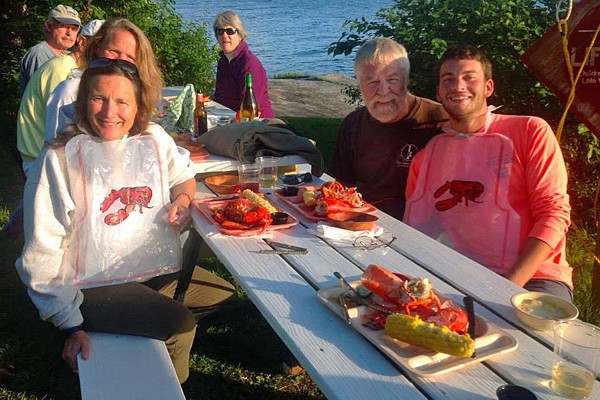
[(541, 310), (279, 218), (514, 392), (289, 191), (193, 148), (223, 184), (352, 220)]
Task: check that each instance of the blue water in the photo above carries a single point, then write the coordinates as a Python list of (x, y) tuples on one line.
[(290, 35)]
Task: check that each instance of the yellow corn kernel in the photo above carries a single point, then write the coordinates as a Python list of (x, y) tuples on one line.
[(415, 331), (258, 201), (309, 197)]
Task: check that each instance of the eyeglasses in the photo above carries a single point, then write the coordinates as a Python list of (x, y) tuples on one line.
[(123, 65), (229, 31), (371, 243)]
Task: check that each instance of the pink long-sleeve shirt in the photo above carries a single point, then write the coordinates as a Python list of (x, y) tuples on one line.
[(484, 194)]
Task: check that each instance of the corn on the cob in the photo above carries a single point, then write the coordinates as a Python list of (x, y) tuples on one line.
[(257, 200), (413, 330)]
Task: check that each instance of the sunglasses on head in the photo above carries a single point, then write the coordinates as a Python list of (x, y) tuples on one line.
[(123, 65), (229, 31)]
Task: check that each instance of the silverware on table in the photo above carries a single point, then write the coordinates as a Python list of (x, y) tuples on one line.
[(282, 248), (343, 282), (470, 307), (342, 300)]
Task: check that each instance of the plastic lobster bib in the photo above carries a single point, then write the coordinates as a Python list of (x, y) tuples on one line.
[(461, 198), (120, 229)]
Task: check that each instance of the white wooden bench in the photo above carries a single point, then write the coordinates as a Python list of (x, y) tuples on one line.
[(123, 367)]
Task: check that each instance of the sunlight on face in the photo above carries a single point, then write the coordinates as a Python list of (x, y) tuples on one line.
[(112, 106), (228, 43), (463, 89), (120, 44), (63, 36), (384, 90)]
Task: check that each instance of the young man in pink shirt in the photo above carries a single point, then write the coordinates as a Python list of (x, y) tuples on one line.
[(493, 187)]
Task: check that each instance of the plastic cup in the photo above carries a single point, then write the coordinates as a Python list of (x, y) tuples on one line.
[(248, 174), (514, 392), (268, 171), (576, 359)]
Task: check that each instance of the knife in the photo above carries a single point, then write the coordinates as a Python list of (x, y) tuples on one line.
[(470, 307)]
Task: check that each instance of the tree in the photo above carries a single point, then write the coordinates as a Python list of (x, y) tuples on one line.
[(183, 50), (504, 29)]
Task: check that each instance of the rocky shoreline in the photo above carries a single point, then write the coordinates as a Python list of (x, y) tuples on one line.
[(314, 96)]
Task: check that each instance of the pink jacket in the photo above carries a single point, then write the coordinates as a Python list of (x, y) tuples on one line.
[(484, 194)]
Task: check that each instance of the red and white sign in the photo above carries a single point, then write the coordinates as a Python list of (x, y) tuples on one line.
[(546, 60)]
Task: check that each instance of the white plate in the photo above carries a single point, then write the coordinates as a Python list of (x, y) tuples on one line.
[(490, 340)]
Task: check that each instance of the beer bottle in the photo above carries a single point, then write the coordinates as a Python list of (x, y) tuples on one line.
[(200, 116), (249, 107)]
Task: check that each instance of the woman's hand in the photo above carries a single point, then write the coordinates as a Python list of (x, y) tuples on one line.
[(179, 214), (182, 195), (78, 342)]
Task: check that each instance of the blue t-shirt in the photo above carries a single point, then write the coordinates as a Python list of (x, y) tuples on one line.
[(31, 61)]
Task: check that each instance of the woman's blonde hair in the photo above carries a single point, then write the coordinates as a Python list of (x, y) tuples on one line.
[(229, 17), (150, 75)]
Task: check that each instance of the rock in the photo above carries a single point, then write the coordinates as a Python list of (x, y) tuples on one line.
[(314, 96)]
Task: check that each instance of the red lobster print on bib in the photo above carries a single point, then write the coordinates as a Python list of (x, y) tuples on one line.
[(459, 190), (130, 197)]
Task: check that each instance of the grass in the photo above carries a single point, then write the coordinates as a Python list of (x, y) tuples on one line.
[(226, 362)]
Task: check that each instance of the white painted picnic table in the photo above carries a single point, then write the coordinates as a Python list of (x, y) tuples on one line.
[(342, 362)]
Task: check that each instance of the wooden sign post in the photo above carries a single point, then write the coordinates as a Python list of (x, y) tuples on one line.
[(546, 60)]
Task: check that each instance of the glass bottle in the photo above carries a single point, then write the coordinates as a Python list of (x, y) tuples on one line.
[(200, 116), (249, 107)]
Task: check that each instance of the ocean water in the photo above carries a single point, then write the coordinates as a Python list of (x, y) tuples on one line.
[(290, 35)]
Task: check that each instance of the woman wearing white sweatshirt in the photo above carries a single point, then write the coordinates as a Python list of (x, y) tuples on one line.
[(103, 209)]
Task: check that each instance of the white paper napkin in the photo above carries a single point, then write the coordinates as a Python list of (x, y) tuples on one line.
[(331, 232)]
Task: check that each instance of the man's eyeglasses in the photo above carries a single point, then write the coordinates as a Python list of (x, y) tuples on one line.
[(229, 31), (123, 65), (371, 243)]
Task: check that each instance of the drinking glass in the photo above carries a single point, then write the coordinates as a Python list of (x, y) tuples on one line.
[(576, 358), (268, 171), (248, 174)]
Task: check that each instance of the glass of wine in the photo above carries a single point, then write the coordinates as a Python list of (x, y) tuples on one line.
[(576, 358), (268, 171)]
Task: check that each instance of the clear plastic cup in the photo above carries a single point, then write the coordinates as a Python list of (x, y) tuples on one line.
[(268, 171), (248, 175), (576, 359)]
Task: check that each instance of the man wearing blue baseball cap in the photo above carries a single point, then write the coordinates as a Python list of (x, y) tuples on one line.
[(60, 32)]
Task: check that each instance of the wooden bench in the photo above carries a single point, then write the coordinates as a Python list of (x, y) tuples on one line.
[(124, 367)]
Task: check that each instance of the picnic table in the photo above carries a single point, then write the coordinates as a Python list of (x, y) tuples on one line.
[(286, 290)]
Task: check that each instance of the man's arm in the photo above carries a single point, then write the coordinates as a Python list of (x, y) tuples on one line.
[(533, 255)]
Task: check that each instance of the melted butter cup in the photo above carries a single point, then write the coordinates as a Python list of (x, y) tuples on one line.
[(279, 218)]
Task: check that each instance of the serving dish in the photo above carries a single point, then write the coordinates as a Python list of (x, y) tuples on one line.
[(207, 207), (541, 311), (223, 184), (352, 220), (197, 151), (298, 203), (490, 340)]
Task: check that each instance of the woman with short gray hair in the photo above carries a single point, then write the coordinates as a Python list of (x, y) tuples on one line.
[(235, 61)]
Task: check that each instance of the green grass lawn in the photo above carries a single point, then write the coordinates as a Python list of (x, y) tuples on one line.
[(226, 362)]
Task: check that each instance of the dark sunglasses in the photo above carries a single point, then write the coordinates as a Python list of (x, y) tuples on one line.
[(229, 31), (123, 65), (297, 179)]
